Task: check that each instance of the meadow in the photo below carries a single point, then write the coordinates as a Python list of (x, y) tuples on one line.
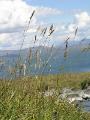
[(24, 99)]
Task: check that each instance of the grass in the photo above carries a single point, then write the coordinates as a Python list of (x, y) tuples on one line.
[(23, 99)]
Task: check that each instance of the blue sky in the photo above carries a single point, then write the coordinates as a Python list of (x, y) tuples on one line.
[(62, 4), (68, 6), (65, 15)]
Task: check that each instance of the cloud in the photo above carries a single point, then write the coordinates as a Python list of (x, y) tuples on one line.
[(14, 40), (47, 11), (14, 17), (14, 14), (82, 19)]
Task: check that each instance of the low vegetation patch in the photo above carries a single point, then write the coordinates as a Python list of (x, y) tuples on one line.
[(85, 84)]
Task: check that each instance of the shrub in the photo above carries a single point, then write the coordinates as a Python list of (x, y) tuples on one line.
[(85, 84)]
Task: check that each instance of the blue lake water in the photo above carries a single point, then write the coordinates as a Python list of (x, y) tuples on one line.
[(85, 105)]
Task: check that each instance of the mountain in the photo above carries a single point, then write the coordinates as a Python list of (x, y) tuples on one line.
[(52, 60)]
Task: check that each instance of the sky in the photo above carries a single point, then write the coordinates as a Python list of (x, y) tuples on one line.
[(65, 15)]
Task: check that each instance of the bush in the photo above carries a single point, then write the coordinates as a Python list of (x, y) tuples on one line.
[(85, 84)]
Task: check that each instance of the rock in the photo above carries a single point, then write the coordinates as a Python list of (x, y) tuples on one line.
[(72, 95), (65, 92), (50, 93), (86, 94), (73, 98)]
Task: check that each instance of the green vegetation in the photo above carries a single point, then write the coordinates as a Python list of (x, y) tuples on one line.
[(85, 83), (24, 99)]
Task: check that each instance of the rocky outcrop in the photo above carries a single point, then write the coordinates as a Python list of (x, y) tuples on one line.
[(78, 97), (75, 95)]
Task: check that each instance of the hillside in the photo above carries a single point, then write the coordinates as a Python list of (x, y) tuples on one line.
[(77, 59)]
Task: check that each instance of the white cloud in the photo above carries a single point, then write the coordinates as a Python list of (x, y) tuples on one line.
[(47, 11), (71, 27), (14, 16), (3, 36), (15, 13), (14, 40), (82, 19)]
